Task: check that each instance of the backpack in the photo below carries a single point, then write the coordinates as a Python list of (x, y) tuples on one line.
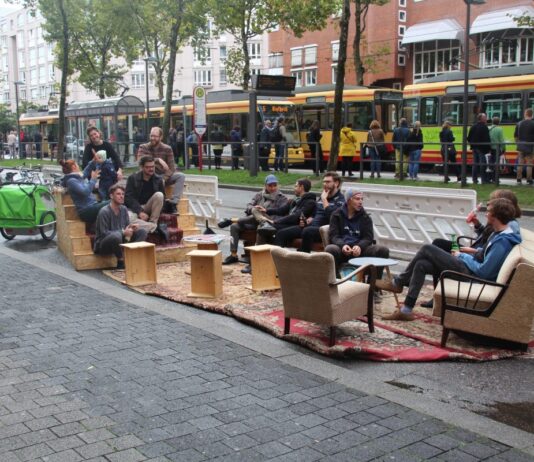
[(276, 136)]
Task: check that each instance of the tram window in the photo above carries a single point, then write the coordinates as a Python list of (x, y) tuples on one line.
[(360, 114), (331, 115), (452, 109), (410, 110), (429, 111), (221, 120), (311, 113), (392, 114), (506, 106)]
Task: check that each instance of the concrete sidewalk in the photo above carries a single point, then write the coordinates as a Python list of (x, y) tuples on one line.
[(92, 371)]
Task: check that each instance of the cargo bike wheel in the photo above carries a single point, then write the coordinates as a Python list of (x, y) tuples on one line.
[(47, 225), (6, 235)]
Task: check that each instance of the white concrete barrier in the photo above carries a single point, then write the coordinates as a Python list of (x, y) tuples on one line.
[(406, 217), (203, 194)]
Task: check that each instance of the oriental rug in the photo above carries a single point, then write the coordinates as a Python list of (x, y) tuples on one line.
[(418, 340)]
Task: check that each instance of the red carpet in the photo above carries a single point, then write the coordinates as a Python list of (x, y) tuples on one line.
[(392, 340)]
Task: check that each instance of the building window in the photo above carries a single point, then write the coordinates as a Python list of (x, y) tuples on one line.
[(223, 54), (296, 57), (42, 74), (400, 46), (41, 51), (33, 75), (138, 80), (222, 77), (33, 56), (435, 57), (22, 59), (508, 52), (20, 19), (276, 60), (402, 30), (335, 51), (310, 55), (202, 56), (298, 76), (203, 77), (334, 73), (6, 97), (397, 86), (20, 39), (43, 91), (22, 94), (401, 60), (254, 50), (402, 16), (22, 76), (34, 93), (310, 77), (52, 73), (255, 71), (402, 3)]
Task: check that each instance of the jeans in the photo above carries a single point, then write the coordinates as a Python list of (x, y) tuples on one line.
[(378, 251), (279, 150), (479, 166), (376, 165), (413, 166), (398, 157)]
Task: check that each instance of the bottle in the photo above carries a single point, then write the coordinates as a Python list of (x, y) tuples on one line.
[(302, 222), (473, 214), (454, 247)]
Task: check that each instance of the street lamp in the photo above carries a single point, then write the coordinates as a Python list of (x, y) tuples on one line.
[(17, 83), (466, 86), (148, 59)]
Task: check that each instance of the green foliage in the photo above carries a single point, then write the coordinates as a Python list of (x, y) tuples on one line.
[(525, 20), (8, 120), (235, 65)]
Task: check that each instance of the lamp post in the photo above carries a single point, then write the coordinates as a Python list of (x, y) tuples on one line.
[(17, 83), (148, 59), (466, 87)]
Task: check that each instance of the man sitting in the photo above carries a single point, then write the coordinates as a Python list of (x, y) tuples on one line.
[(432, 260), (351, 232), (330, 200), (291, 214), (257, 212), (145, 195), (113, 227), (165, 165)]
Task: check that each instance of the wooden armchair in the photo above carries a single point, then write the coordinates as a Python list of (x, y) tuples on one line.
[(311, 292), (492, 309)]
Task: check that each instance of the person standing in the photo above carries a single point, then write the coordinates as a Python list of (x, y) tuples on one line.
[(192, 143), (347, 148), (448, 151), (96, 143), (278, 137), (12, 143), (376, 139), (165, 166), (38, 140), (237, 146), (264, 147), (479, 139), (524, 137), (400, 137), (217, 137), (498, 147), (113, 227), (415, 147), (313, 137)]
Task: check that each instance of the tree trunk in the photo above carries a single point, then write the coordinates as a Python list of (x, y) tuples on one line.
[(173, 50), (358, 65), (246, 56), (64, 75), (340, 83)]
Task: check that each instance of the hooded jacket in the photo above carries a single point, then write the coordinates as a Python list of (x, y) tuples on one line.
[(357, 230), (494, 253), (134, 185), (347, 143)]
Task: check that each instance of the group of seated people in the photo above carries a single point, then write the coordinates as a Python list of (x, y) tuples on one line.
[(280, 220), (123, 214)]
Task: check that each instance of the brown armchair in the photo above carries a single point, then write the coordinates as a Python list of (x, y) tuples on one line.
[(311, 292), (492, 309)]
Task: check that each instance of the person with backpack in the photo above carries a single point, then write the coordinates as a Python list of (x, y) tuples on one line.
[(415, 147), (313, 137), (265, 145), (278, 136), (347, 149), (400, 137)]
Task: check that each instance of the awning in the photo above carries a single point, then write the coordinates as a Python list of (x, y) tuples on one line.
[(500, 20), (444, 29)]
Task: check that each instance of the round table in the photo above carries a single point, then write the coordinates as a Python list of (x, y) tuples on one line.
[(379, 262)]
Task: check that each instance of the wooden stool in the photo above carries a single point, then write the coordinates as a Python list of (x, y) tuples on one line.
[(206, 273), (140, 263), (263, 271)]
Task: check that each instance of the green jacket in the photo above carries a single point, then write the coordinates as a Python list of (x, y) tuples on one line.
[(497, 138)]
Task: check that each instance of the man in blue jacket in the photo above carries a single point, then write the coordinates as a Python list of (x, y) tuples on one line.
[(400, 137), (485, 263)]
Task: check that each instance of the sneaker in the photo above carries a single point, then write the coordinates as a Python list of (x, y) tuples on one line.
[(398, 316), (170, 207), (161, 230), (386, 284), (428, 304), (247, 270), (224, 223), (230, 259), (120, 265)]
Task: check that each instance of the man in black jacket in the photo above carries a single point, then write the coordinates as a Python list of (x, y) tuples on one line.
[(479, 139), (145, 194), (351, 232)]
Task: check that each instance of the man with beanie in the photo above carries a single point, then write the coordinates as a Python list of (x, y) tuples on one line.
[(257, 213), (351, 232)]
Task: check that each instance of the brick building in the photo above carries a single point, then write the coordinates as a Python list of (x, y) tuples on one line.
[(408, 40)]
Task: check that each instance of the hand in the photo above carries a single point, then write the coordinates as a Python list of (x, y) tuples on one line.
[(324, 195), (455, 253), (356, 251), (468, 250), (119, 174), (143, 216), (260, 208), (346, 249), (133, 226), (95, 174), (127, 232)]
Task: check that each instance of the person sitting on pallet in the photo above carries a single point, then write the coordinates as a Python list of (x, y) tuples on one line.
[(108, 175), (113, 227), (257, 215), (297, 210), (165, 165), (330, 200), (351, 232), (430, 259), (144, 197)]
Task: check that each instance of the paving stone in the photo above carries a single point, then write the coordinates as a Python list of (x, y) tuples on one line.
[(189, 455), (129, 455), (33, 452), (423, 450), (64, 456)]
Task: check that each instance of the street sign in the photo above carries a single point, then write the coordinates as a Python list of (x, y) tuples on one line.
[(199, 110), (282, 84)]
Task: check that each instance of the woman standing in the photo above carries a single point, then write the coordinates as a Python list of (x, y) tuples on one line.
[(347, 148), (448, 151), (313, 138), (376, 147), (415, 146)]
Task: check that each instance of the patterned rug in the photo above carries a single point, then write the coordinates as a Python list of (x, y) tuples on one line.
[(392, 340)]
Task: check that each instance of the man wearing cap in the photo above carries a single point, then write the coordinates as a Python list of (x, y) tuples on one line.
[(351, 232), (256, 214)]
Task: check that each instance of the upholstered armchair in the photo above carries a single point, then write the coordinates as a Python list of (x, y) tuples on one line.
[(311, 292)]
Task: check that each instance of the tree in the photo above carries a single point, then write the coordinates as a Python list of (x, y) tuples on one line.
[(246, 19), (361, 8), (340, 84), (8, 120), (525, 20)]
